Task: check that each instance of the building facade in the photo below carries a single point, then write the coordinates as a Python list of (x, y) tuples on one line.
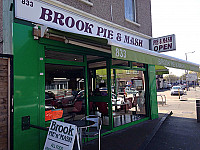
[(74, 58)]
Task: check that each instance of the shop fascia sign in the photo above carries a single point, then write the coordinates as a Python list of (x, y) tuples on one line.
[(60, 136), (60, 19), (148, 57), (163, 44)]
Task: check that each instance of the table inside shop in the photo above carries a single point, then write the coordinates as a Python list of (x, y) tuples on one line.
[(120, 105), (81, 124), (114, 101)]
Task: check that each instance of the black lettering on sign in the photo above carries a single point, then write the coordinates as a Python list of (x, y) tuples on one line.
[(27, 3)]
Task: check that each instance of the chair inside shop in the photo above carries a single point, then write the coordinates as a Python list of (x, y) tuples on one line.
[(72, 111), (94, 130), (103, 109)]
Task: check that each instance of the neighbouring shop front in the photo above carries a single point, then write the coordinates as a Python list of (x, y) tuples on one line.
[(5, 100), (71, 66)]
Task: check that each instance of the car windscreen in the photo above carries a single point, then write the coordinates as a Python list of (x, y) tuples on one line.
[(176, 87)]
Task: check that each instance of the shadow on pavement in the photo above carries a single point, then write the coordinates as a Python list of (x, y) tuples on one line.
[(130, 138), (177, 133)]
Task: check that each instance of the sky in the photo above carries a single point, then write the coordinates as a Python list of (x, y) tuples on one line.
[(182, 18)]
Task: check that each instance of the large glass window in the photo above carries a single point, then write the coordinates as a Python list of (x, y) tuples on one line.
[(98, 90), (129, 94), (98, 77), (129, 7), (64, 91)]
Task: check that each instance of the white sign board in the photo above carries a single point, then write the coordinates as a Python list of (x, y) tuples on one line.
[(163, 44), (191, 77), (60, 136), (138, 84), (57, 18)]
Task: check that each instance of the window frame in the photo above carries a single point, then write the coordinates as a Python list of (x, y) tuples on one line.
[(128, 72), (133, 11), (87, 2)]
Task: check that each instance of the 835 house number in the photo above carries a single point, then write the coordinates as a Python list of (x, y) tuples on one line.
[(120, 53), (27, 3)]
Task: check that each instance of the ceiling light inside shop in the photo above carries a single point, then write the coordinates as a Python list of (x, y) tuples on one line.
[(59, 78)]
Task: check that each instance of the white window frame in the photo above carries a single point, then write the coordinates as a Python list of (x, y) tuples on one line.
[(128, 72), (87, 2), (135, 72)]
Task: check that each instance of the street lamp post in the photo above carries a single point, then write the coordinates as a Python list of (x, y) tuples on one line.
[(186, 71)]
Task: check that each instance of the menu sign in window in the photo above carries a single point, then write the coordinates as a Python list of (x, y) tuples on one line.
[(60, 136), (138, 84)]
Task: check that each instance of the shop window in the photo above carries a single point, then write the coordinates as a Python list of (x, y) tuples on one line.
[(128, 72), (129, 94), (63, 56), (98, 77), (135, 72), (64, 91), (99, 86), (129, 7)]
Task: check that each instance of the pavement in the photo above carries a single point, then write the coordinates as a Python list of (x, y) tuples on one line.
[(179, 131), (131, 138)]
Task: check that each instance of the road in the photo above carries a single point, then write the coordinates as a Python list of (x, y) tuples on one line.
[(183, 107), (181, 130)]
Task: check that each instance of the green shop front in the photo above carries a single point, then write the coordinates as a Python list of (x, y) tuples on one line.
[(68, 66)]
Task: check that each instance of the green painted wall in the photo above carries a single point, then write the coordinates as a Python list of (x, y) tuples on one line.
[(152, 92), (28, 88)]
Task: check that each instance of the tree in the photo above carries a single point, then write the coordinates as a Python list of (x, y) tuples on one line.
[(183, 77), (171, 78)]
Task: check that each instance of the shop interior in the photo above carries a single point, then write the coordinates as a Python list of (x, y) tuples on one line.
[(65, 88)]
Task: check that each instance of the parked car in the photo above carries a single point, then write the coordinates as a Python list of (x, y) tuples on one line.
[(57, 102), (183, 87), (169, 86), (127, 91), (176, 89)]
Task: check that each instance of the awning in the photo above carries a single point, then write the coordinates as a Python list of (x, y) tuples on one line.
[(130, 53), (142, 55), (160, 70)]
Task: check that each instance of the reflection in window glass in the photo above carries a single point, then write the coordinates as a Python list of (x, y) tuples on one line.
[(135, 72), (100, 87), (129, 6), (129, 93), (64, 91)]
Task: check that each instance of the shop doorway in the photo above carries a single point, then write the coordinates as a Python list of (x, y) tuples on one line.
[(65, 85)]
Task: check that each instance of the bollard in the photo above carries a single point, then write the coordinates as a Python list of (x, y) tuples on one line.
[(198, 110)]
